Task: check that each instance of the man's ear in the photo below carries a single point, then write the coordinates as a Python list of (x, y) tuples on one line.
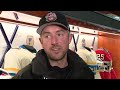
[(70, 37), (40, 40)]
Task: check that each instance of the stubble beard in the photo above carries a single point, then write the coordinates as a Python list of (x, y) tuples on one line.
[(57, 56)]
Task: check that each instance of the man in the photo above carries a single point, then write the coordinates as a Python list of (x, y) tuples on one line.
[(55, 60)]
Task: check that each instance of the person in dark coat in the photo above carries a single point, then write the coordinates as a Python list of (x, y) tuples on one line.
[(55, 60)]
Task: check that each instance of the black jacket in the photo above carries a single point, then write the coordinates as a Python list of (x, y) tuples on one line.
[(39, 68)]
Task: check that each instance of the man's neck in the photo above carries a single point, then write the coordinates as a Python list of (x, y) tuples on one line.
[(61, 63)]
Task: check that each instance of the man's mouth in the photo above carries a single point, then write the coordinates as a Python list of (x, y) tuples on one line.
[(55, 49)]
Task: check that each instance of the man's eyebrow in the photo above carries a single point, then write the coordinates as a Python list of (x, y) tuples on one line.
[(62, 30), (45, 32)]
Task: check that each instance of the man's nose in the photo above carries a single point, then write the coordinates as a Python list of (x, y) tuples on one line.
[(54, 40)]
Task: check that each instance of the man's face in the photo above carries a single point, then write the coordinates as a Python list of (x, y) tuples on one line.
[(55, 41)]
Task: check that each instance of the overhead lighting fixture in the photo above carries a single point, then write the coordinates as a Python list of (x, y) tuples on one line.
[(117, 18)]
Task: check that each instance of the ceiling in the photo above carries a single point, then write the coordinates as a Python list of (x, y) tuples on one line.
[(100, 19), (112, 14)]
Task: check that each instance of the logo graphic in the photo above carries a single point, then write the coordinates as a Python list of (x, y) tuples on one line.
[(83, 42), (30, 40), (51, 17)]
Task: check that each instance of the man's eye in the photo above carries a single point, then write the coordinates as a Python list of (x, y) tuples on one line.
[(60, 34), (47, 36)]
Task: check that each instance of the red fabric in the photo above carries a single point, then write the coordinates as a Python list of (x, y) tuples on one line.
[(108, 75), (3, 74), (105, 75), (106, 56), (113, 74)]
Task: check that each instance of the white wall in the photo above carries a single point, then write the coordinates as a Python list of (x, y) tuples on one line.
[(21, 35), (88, 37)]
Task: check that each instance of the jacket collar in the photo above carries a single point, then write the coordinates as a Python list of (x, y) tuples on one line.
[(40, 64)]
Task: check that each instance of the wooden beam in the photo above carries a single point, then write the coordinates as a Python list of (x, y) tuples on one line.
[(34, 13), (17, 22)]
